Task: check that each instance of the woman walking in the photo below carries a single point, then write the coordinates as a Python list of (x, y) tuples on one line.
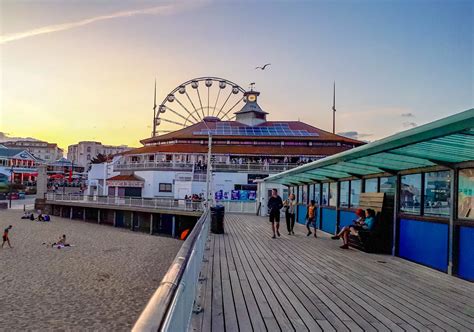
[(290, 209)]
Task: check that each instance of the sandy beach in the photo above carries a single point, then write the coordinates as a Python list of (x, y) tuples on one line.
[(102, 282)]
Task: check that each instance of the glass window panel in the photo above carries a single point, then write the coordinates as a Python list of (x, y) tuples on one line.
[(311, 192), (410, 194), (304, 194), (325, 199), (333, 194), (299, 196), (317, 193), (387, 184), (437, 194), (371, 185), (355, 192), (466, 194), (344, 194)]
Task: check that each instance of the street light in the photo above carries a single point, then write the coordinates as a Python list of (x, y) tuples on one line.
[(11, 187)]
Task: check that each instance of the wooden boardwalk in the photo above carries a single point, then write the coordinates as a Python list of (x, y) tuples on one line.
[(250, 282)]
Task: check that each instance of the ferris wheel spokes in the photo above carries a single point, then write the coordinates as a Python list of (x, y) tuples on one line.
[(200, 102), (238, 101), (225, 102), (173, 122), (177, 113), (190, 113), (215, 104)]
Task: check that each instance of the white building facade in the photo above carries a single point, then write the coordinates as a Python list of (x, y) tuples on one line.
[(83, 152)]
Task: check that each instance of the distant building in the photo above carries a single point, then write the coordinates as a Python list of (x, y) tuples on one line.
[(18, 165), (83, 152), (40, 149)]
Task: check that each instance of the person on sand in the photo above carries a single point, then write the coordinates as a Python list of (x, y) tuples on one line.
[(61, 242), (6, 238), (274, 205)]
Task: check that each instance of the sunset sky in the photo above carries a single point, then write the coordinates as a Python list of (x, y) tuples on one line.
[(84, 70)]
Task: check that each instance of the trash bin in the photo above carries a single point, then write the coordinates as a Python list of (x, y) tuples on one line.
[(217, 219)]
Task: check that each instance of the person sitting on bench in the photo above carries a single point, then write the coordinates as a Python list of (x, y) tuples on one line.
[(346, 230)]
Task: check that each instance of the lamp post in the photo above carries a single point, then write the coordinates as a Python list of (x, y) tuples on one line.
[(11, 187)]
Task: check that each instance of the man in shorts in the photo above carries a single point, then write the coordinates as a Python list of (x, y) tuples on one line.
[(274, 205), (5, 236)]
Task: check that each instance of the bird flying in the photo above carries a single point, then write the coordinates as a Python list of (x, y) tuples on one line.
[(263, 67)]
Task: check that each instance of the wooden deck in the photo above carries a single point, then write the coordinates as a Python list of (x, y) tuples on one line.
[(250, 282)]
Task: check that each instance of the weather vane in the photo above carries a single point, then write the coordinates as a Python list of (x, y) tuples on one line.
[(252, 85)]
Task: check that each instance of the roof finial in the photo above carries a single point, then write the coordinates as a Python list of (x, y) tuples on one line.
[(252, 85)]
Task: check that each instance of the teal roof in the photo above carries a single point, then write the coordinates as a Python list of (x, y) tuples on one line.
[(443, 142)]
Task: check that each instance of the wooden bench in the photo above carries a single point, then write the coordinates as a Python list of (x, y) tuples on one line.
[(379, 239)]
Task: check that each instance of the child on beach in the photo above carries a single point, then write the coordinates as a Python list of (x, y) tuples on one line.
[(5, 236)]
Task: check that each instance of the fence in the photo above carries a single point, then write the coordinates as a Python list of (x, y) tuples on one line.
[(239, 206), (168, 203), (171, 306)]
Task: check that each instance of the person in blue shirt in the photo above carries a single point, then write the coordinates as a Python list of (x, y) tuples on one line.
[(365, 222)]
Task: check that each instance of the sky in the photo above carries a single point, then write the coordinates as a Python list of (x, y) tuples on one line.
[(84, 70)]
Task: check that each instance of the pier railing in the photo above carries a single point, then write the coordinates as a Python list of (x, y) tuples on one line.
[(158, 203), (216, 167), (239, 206), (171, 306)]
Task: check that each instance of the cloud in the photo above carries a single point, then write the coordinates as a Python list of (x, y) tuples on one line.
[(157, 10), (408, 115), (409, 124), (354, 134), (5, 137)]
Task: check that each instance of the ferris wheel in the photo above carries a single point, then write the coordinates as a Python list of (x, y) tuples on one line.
[(193, 101)]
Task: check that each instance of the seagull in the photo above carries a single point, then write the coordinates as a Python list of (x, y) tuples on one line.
[(263, 68)]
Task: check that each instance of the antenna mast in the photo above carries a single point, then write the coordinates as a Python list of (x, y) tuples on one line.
[(334, 109), (154, 112)]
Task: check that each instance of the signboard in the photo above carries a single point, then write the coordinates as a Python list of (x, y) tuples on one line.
[(125, 183)]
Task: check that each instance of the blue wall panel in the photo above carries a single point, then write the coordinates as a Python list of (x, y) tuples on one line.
[(302, 209), (346, 218), (466, 253), (424, 242), (329, 220)]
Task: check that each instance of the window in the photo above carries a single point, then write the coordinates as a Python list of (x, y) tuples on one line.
[(304, 194), (88, 149), (466, 194), (371, 185), (388, 184), (344, 194), (355, 192), (311, 192), (317, 193), (325, 200), (88, 157), (165, 187), (333, 194), (299, 195), (437, 194), (410, 193)]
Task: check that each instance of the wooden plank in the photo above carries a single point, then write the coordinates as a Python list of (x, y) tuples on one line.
[(302, 283), (217, 312)]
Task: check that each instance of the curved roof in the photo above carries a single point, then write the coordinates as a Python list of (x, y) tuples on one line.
[(294, 132), (443, 142)]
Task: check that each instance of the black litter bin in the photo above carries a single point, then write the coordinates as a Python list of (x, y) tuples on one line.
[(217, 219)]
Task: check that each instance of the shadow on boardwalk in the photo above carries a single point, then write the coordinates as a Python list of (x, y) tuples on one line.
[(252, 282)]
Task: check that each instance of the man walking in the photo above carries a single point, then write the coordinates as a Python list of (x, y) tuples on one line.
[(274, 205), (5, 236)]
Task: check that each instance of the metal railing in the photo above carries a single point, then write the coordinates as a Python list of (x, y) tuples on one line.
[(217, 167), (156, 203), (239, 206), (171, 306)]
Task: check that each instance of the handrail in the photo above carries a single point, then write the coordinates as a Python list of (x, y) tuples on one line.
[(157, 311), (155, 202)]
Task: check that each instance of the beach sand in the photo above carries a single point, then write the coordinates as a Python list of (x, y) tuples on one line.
[(101, 283)]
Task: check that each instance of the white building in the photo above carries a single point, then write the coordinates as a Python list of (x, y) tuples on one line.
[(83, 152), (173, 165), (45, 151)]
